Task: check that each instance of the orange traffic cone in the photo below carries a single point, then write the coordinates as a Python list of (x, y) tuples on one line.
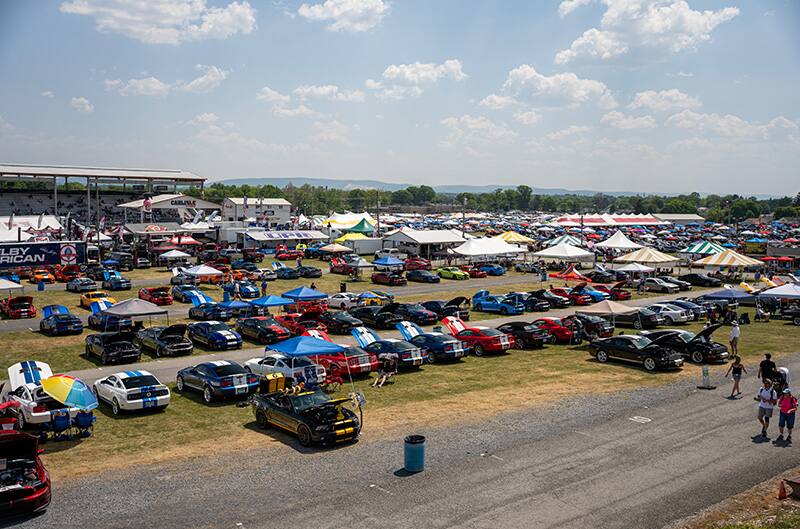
[(782, 492)]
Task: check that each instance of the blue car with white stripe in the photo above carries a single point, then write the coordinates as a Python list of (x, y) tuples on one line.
[(103, 321), (407, 354), (217, 379), (438, 346), (113, 280), (57, 320), (184, 293), (247, 289), (206, 309), (492, 269), (132, 391), (214, 335), (482, 301)]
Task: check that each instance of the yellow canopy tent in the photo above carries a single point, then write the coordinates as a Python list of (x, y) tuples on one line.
[(514, 237)]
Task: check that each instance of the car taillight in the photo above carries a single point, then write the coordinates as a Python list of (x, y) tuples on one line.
[(226, 383), (251, 379), (406, 355), (39, 409)]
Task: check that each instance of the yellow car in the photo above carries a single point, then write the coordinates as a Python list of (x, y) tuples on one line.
[(42, 275), (452, 272), (89, 297)]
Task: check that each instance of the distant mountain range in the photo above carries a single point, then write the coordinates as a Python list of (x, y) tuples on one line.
[(445, 189)]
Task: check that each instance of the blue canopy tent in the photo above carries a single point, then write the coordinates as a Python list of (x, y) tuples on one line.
[(271, 301), (305, 346), (388, 261), (304, 294), (757, 240), (730, 294), (368, 295), (235, 304)]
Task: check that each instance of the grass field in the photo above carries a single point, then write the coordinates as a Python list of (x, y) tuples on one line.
[(432, 395)]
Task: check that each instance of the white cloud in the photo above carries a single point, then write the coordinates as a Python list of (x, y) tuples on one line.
[(211, 78), (329, 92), (572, 130), (475, 131), (48, 94), (298, 111), (81, 104), (731, 126), (216, 135), (280, 104), (621, 121), (331, 132), (528, 118), (346, 15), (664, 100), (269, 95), (654, 24), (166, 21), (148, 86), (392, 92), (407, 80), (206, 118), (561, 86), (498, 102), (568, 6), (5, 125)]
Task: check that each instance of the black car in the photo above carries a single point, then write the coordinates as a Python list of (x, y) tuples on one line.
[(697, 310), (262, 329), (791, 312), (124, 259), (408, 355), (456, 307), (284, 272), (699, 348), (636, 348), (312, 416), (700, 280), (555, 301), (308, 271), (682, 285), (592, 326), (422, 276), (599, 276), (94, 271), (439, 347), (413, 312), (113, 347), (165, 341), (376, 316), (641, 319), (210, 312), (339, 321), (720, 305), (526, 335), (531, 303)]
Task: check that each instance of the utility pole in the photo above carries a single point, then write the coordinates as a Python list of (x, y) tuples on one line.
[(464, 218)]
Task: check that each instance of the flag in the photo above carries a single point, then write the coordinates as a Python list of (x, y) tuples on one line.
[(11, 221)]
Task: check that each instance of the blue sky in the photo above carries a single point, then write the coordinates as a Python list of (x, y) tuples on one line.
[(634, 95)]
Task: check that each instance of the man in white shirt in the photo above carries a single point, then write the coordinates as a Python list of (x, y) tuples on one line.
[(766, 403), (734, 338)]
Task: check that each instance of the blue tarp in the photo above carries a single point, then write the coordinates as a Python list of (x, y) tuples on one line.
[(304, 294), (305, 346), (271, 301), (388, 261)]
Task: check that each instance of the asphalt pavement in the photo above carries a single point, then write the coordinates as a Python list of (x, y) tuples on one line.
[(636, 459)]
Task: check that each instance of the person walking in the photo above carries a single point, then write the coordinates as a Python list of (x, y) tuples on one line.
[(766, 403), (236, 293), (787, 404), (735, 370), (767, 368), (734, 337), (263, 287)]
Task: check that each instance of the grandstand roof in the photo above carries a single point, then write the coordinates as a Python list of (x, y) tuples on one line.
[(48, 171)]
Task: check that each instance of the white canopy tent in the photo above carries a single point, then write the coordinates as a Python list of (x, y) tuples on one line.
[(203, 270), (489, 246), (787, 291), (618, 241), (636, 267), (565, 252)]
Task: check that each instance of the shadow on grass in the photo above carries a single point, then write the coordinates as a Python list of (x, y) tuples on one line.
[(105, 410), (197, 398)]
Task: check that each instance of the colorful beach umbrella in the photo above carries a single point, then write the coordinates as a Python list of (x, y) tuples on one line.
[(70, 391)]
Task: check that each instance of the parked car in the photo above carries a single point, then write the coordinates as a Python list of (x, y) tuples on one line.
[(298, 323), (682, 285), (247, 266), (338, 322), (700, 280), (438, 346), (295, 368), (262, 329), (475, 272), (58, 321), (616, 291), (129, 391), (596, 295), (529, 302), (592, 326), (113, 347), (247, 289), (157, 295), (417, 263), (452, 272), (408, 355), (353, 360), (307, 271), (165, 341), (694, 309), (210, 312), (87, 298), (124, 260), (600, 276), (671, 313), (556, 328), (376, 316), (183, 279), (480, 339), (526, 335), (344, 300), (214, 335), (482, 301), (42, 275), (184, 293), (642, 319), (143, 262), (413, 312), (556, 301), (65, 274), (18, 307), (34, 407), (527, 268), (492, 269), (391, 252), (699, 348), (654, 284), (217, 379), (422, 276), (284, 272), (103, 321), (576, 298), (457, 307), (81, 284), (388, 278), (24, 482), (651, 354), (791, 312)]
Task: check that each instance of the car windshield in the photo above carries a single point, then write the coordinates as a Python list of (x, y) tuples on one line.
[(63, 317), (492, 332), (218, 327), (354, 351), (639, 341), (228, 369), (139, 381), (309, 400), (441, 338), (686, 336), (267, 323)]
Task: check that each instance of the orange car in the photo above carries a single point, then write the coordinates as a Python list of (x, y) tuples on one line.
[(42, 275)]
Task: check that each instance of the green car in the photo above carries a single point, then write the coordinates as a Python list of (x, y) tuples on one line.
[(452, 272)]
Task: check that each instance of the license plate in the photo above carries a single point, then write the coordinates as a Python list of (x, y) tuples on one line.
[(240, 390)]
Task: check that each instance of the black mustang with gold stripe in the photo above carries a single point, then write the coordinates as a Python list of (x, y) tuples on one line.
[(312, 416)]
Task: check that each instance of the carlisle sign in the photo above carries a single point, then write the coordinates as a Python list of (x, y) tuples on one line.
[(42, 253)]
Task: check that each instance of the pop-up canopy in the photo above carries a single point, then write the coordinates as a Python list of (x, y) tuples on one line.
[(618, 241), (305, 346), (304, 294), (134, 307), (787, 291), (492, 246), (271, 301), (564, 252)]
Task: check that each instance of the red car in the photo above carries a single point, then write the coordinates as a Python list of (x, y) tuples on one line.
[(156, 295), (18, 307), (417, 263), (474, 271), (289, 255), (616, 291), (388, 278), (26, 483), (480, 339), (65, 274), (556, 328), (575, 299), (353, 360), (299, 323), (339, 266)]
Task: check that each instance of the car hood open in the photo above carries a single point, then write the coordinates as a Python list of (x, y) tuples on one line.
[(178, 329), (706, 333), (457, 302)]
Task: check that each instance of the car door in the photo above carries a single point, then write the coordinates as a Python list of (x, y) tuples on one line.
[(192, 378), (266, 366), (104, 388), (280, 413)]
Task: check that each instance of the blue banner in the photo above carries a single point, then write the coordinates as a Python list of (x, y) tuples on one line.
[(15, 254)]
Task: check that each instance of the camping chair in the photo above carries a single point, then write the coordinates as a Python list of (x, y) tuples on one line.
[(83, 423), (59, 427)]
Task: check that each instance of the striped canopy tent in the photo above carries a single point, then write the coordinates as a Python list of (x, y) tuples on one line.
[(646, 255), (514, 237), (564, 239), (703, 248), (728, 258)]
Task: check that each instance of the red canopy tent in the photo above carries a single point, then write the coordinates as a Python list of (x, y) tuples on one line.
[(185, 240)]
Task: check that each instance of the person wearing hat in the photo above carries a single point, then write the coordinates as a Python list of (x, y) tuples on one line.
[(787, 404), (734, 338)]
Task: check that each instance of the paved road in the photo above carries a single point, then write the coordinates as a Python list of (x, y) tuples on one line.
[(581, 464)]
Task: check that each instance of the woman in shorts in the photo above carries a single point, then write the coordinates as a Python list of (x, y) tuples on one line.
[(735, 370)]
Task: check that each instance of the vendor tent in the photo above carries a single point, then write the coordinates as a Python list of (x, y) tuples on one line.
[(618, 241), (202, 270), (514, 238), (6, 284), (344, 221), (305, 346), (609, 308), (703, 248), (388, 261), (564, 239), (361, 227), (351, 237), (730, 258), (564, 252), (174, 254), (635, 267), (646, 255), (271, 301), (134, 307), (730, 294), (787, 291), (304, 294), (492, 246), (335, 248)]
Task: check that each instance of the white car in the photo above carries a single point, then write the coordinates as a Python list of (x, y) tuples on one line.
[(132, 391), (671, 313), (659, 285), (391, 252), (298, 369), (344, 300), (35, 406)]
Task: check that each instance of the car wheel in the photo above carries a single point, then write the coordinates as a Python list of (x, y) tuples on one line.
[(602, 356), (179, 384), (262, 421), (637, 325), (796, 320), (665, 290), (115, 409), (521, 343), (159, 351), (649, 364), (304, 435), (478, 349), (104, 359), (431, 358), (208, 395), (504, 311), (697, 357), (668, 320)]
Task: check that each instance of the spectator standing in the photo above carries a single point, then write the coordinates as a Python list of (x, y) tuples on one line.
[(787, 404), (734, 337), (299, 262), (263, 287), (767, 368), (236, 293), (735, 370), (766, 403)]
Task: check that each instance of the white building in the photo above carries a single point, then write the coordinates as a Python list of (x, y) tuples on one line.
[(273, 210)]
